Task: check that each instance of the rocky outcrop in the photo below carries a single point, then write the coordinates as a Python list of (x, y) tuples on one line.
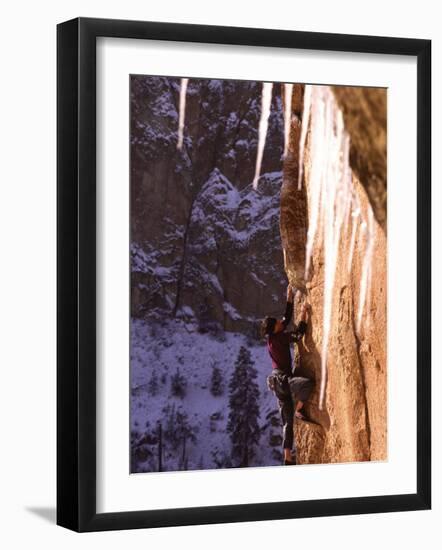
[(352, 423), (365, 116), (205, 245)]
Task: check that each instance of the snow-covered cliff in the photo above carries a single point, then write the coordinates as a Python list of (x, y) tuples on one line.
[(206, 263), (205, 244)]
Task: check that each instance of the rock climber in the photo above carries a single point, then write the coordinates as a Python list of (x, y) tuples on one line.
[(290, 390)]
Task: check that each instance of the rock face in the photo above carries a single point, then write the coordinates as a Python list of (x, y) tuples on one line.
[(365, 117), (352, 424), (205, 245)]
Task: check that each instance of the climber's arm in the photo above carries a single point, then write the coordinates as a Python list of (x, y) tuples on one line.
[(299, 332), (288, 308), (301, 328), (288, 314)]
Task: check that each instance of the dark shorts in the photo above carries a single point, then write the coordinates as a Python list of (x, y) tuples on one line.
[(283, 386)]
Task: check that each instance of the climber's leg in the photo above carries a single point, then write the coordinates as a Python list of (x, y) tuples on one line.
[(287, 413), (301, 388)]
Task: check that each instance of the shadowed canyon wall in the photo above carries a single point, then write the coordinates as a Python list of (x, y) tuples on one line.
[(205, 245), (352, 424)]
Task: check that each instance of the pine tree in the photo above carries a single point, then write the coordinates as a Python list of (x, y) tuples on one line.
[(242, 424), (216, 382), (169, 415), (179, 433), (178, 384)]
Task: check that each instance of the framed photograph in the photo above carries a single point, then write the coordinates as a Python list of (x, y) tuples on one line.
[(243, 274)]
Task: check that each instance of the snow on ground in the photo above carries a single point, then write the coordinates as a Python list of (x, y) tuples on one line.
[(171, 345)]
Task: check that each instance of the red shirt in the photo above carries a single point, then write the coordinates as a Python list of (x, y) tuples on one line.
[(278, 344)]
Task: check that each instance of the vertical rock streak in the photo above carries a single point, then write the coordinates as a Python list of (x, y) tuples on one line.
[(354, 215), (331, 197), (288, 91), (304, 128), (266, 100), (183, 91), (366, 269)]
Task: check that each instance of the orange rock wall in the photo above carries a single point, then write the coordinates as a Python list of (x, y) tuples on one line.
[(352, 426)]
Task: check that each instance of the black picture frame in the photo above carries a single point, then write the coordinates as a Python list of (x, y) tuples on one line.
[(76, 273)]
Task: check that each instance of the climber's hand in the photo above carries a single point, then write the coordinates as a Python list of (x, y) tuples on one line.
[(289, 294)]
